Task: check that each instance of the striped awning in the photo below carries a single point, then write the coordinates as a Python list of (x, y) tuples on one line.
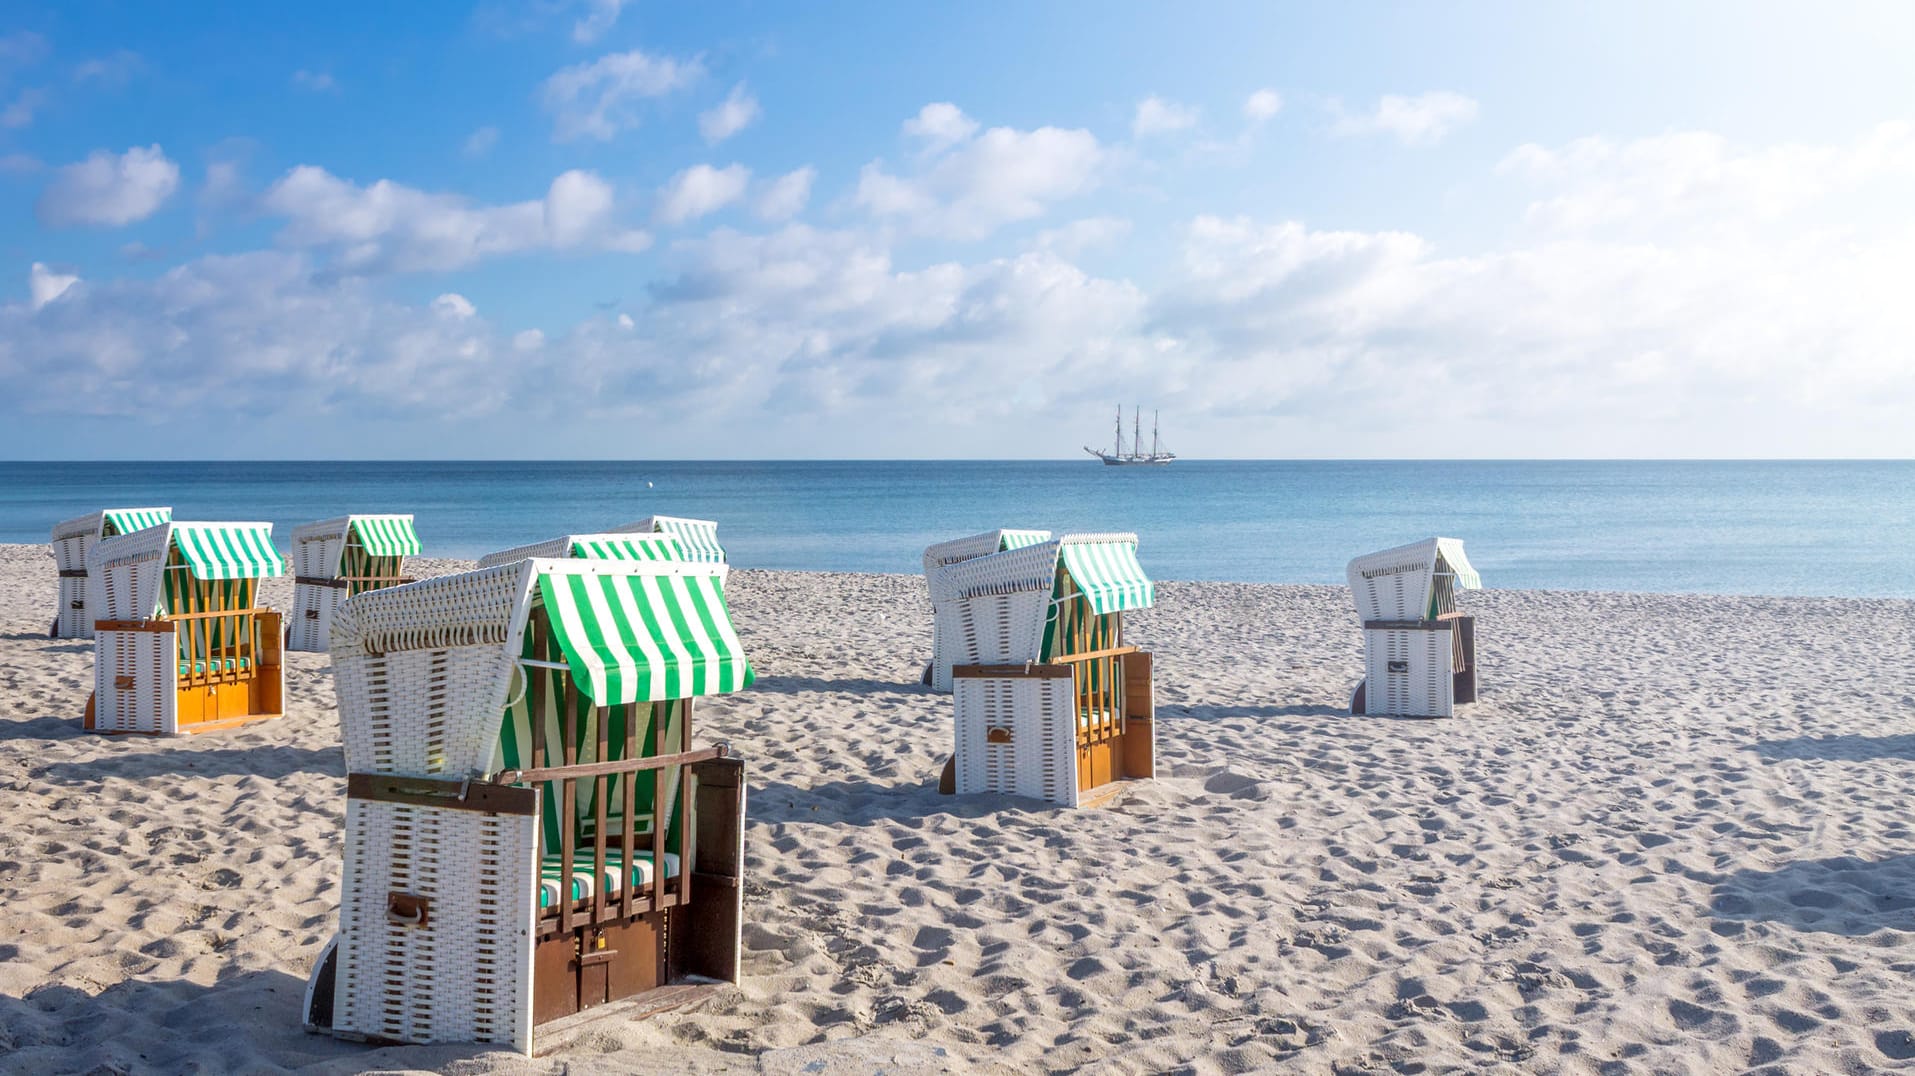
[(386, 536), (645, 638), (1109, 575), (628, 547), (228, 550), (1451, 552), (128, 520), (1008, 539), (698, 538)]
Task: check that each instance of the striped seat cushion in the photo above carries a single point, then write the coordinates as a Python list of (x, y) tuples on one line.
[(198, 668), (551, 871)]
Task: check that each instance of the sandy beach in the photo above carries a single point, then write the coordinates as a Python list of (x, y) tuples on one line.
[(1677, 835)]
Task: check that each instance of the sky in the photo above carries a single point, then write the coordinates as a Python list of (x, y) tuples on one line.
[(620, 229)]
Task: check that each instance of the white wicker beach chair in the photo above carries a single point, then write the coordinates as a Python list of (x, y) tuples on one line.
[(71, 540), (1419, 652), (1051, 702), (179, 644), (698, 537), (334, 559), (612, 545), (943, 610), (529, 832)]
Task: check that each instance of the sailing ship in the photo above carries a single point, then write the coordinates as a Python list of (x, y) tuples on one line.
[(1157, 456)]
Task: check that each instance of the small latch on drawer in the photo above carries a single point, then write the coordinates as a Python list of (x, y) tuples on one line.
[(1399, 666)]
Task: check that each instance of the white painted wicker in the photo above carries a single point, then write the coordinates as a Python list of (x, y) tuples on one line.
[(71, 541), (1407, 672), (1036, 717), (945, 615), (136, 682), (423, 673), (318, 548)]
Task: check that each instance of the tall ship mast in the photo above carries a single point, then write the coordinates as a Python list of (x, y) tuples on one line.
[(1117, 457)]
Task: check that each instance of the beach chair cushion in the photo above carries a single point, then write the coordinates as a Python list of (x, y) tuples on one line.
[(198, 668), (551, 870)]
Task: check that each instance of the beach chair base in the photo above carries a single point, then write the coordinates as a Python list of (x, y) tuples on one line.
[(1021, 732), (1417, 668), (136, 674)]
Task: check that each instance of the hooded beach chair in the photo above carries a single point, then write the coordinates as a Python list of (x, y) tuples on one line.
[(335, 559), (620, 545), (529, 831), (71, 540), (1419, 652), (179, 645), (1051, 702), (698, 537), (944, 613)]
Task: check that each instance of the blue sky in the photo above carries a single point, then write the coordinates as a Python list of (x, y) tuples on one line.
[(600, 229)]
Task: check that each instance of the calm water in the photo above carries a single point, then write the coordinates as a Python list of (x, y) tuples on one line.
[(1823, 528)]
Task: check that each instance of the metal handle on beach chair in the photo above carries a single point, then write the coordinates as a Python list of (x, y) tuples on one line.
[(407, 909)]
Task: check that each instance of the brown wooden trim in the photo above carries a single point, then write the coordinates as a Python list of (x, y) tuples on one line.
[(319, 581), (482, 796), (1407, 625), (625, 765), (1013, 672), (159, 626), (73, 573)]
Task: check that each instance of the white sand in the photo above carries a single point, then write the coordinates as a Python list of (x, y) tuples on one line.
[(1677, 835)]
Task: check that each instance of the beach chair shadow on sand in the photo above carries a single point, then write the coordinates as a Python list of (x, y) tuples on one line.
[(1850, 748), (529, 832), (1841, 895)]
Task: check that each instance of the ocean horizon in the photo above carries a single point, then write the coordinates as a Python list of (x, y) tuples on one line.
[(1772, 527)]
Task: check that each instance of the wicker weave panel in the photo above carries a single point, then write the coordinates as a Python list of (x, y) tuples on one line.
[(1425, 687), (465, 975), (1040, 761), (422, 712), (148, 661), (997, 629)]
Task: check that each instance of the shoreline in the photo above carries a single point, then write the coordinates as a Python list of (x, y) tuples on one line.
[(1675, 834)]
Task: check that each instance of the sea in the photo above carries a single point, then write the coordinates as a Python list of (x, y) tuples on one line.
[(1825, 528)]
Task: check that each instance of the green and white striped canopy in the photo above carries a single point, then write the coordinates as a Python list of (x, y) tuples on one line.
[(645, 638), (629, 547), (1008, 539), (228, 550), (386, 536), (1109, 575), (698, 538), (128, 520)]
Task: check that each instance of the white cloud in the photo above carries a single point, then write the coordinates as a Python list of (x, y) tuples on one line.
[(1423, 120), (481, 142), (1091, 233), (598, 18), (113, 70), (453, 305), (316, 81), (971, 184), (1770, 322), (939, 126), (44, 285), (701, 190), (21, 48), (389, 226), (1157, 116), (1262, 105), (785, 197), (728, 117), (599, 99), (110, 189), (21, 110), (19, 164)]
